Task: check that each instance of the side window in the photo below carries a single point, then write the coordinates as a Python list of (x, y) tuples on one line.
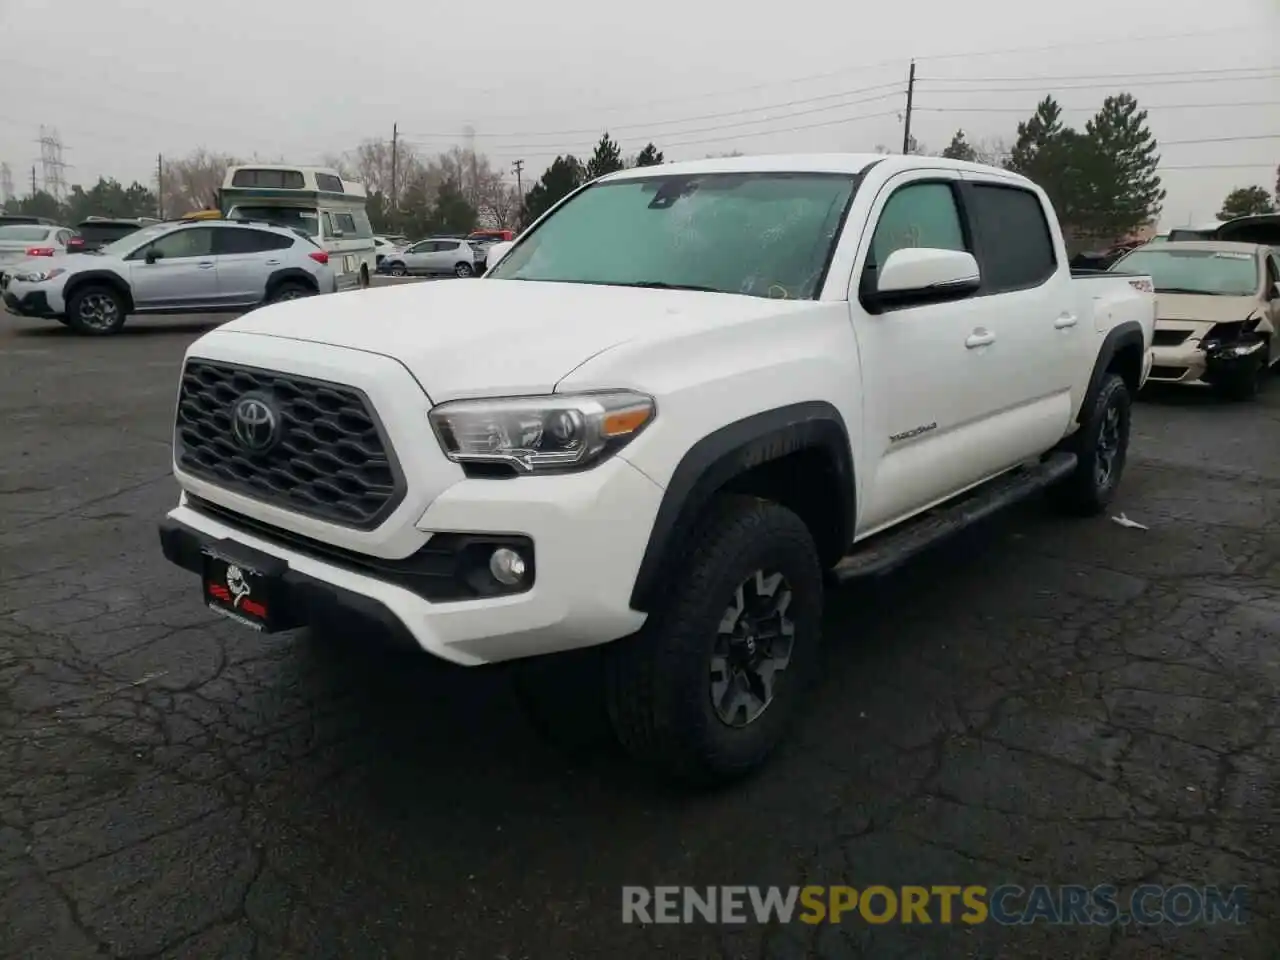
[(63, 237), (233, 240), (183, 244), (328, 224), (346, 223), (364, 229), (1016, 250), (917, 215)]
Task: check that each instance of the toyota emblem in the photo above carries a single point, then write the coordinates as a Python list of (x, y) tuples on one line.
[(255, 423)]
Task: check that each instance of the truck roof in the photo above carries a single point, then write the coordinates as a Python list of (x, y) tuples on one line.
[(850, 163)]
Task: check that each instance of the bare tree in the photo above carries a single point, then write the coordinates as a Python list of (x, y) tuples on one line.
[(192, 183), (991, 150), (370, 163)]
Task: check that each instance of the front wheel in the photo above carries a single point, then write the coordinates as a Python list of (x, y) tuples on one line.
[(96, 311), (463, 270), (708, 687), (1101, 446)]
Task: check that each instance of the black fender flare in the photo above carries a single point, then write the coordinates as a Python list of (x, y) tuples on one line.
[(1118, 338), (290, 275), (730, 451), (106, 277)]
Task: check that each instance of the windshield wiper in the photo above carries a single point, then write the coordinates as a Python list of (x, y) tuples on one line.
[(663, 285)]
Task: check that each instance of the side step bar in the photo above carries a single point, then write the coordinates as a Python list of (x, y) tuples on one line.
[(884, 552)]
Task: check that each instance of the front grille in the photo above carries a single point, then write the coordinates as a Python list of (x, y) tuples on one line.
[(1169, 338), (332, 462)]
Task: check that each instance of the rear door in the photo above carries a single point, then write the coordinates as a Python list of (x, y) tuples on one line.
[(246, 259), (418, 257), (1027, 303), (183, 277)]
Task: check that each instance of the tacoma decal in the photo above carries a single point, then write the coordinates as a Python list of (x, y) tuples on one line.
[(913, 432)]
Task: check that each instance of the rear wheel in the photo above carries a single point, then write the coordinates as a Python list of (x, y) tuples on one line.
[(463, 270), (364, 278), (96, 310), (1101, 446), (397, 270), (289, 291)]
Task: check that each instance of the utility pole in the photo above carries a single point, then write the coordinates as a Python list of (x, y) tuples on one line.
[(519, 168), (395, 146), (33, 180), (160, 185), (911, 92)]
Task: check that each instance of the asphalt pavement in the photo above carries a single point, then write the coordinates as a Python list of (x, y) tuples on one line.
[(1043, 701)]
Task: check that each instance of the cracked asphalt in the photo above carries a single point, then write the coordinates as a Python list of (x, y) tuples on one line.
[(1042, 701)]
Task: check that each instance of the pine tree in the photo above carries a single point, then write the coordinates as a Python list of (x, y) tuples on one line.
[(452, 214), (959, 148), (558, 181), (1038, 139), (650, 156), (1133, 195), (606, 159), (1245, 202)]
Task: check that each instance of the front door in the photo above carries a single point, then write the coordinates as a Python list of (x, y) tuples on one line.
[(184, 275), (930, 372)]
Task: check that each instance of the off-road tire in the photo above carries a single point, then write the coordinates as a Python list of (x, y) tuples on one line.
[(563, 698), (659, 682), (1082, 492), (85, 295)]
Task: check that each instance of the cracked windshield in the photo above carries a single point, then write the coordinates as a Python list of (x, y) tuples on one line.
[(505, 485)]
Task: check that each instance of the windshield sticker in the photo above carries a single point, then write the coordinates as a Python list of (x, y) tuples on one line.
[(1233, 256)]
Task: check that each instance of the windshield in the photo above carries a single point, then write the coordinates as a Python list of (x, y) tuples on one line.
[(306, 219), (20, 234), (1215, 273), (136, 238), (758, 234)]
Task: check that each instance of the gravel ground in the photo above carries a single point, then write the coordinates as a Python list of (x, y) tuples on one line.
[(1043, 701)]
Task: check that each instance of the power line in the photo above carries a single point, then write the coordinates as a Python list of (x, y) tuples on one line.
[(1216, 166), (1093, 109), (1098, 42), (897, 89), (1097, 86), (1260, 136), (1108, 76)]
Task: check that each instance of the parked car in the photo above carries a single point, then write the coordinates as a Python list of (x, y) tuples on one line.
[(625, 457), (196, 267), (1219, 312), (385, 245), (96, 232), (11, 219), (434, 256), (19, 241)]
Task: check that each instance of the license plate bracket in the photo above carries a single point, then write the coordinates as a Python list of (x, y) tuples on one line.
[(247, 587)]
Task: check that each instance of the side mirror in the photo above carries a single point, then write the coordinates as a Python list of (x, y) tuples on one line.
[(924, 274), (153, 255), (496, 253)]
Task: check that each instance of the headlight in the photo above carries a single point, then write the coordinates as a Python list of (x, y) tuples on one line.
[(39, 276), (541, 434)]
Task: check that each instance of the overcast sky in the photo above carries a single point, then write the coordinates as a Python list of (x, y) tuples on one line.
[(122, 81)]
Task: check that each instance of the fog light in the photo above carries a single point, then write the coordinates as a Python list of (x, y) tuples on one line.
[(507, 566)]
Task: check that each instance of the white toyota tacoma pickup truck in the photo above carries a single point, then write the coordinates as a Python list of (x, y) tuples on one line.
[(632, 456)]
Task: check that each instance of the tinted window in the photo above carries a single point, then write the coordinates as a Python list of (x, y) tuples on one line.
[(917, 215), (346, 223), (183, 243), (278, 179), (236, 240), (327, 181), (294, 218), (1017, 245), (95, 233)]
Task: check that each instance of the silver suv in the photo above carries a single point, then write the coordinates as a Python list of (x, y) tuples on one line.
[(207, 266), (435, 256)]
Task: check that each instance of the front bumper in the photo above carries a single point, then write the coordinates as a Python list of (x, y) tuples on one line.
[(587, 534), (21, 299), (1196, 361)]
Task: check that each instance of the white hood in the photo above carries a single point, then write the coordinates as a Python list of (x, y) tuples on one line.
[(469, 338)]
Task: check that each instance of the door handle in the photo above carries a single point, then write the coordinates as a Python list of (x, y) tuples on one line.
[(273, 263), (205, 264), (1064, 321), (980, 338)]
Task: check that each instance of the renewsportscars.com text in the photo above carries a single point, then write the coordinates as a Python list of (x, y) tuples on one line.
[(1008, 904)]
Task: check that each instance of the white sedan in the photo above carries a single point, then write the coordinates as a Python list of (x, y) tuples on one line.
[(22, 241)]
